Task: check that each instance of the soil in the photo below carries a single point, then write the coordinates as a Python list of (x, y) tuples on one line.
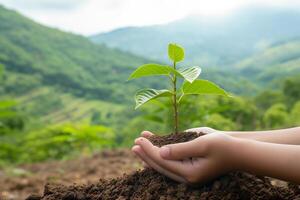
[(16, 183), (148, 184)]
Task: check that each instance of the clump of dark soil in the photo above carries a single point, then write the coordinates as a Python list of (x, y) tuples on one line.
[(148, 184)]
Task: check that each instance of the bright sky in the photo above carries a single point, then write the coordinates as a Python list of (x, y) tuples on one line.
[(94, 16)]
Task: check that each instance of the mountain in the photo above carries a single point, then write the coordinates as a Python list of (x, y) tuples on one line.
[(57, 77), (210, 41), (72, 63), (273, 64)]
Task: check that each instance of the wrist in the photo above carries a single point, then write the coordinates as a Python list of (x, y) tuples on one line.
[(226, 148), (241, 152), (237, 151), (233, 133)]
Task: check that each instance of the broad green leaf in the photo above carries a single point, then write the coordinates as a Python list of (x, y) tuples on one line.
[(151, 70), (146, 95), (176, 52), (202, 87), (190, 74)]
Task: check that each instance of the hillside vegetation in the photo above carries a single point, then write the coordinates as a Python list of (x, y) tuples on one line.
[(255, 45), (275, 63), (37, 55), (57, 83), (56, 77)]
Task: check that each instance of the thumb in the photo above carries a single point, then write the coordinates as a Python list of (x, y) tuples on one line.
[(179, 151)]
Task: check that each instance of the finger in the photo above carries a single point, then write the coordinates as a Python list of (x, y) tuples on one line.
[(152, 152), (180, 151), (203, 130), (146, 134), (141, 154), (145, 165)]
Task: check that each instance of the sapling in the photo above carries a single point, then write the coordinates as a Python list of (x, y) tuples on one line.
[(191, 85)]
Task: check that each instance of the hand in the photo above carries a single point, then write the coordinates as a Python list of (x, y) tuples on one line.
[(198, 130), (204, 130), (196, 161)]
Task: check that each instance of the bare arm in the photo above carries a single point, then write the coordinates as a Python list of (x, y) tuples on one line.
[(274, 160), (282, 136)]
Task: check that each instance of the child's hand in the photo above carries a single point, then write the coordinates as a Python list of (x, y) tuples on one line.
[(259, 152), (193, 162)]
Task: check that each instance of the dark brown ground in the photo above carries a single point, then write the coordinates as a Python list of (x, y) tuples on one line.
[(16, 183), (147, 184)]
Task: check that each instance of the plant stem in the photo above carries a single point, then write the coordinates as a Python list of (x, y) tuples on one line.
[(175, 101)]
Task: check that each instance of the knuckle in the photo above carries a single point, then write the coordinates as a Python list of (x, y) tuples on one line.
[(192, 179)]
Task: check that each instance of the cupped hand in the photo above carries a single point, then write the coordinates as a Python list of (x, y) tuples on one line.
[(196, 161), (198, 130)]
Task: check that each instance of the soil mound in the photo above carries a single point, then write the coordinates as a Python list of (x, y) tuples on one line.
[(148, 184)]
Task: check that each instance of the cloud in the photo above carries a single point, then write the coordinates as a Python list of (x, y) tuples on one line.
[(93, 16)]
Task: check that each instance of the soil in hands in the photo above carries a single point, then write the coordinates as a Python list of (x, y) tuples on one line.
[(148, 184)]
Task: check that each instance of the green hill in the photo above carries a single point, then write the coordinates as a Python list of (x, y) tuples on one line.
[(59, 77), (69, 62), (210, 40), (246, 52), (272, 65)]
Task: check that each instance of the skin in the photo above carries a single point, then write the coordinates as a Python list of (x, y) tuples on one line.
[(270, 153)]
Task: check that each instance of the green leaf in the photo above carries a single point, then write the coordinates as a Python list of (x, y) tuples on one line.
[(202, 87), (190, 74), (145, 95), (176, 52), (151, 70)]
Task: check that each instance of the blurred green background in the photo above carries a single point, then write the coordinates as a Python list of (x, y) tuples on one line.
[(62, 94)]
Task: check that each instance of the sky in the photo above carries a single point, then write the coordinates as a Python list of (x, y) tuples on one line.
[(89, 17)]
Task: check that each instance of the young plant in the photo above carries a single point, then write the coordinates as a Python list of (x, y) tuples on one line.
[(190, 85)]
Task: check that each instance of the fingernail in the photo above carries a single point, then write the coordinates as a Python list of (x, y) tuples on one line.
[(164, 151), (135, 148), (138, 140), (135, 141), (144, 133)]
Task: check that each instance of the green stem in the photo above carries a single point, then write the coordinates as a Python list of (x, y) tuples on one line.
[(175, 101)]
